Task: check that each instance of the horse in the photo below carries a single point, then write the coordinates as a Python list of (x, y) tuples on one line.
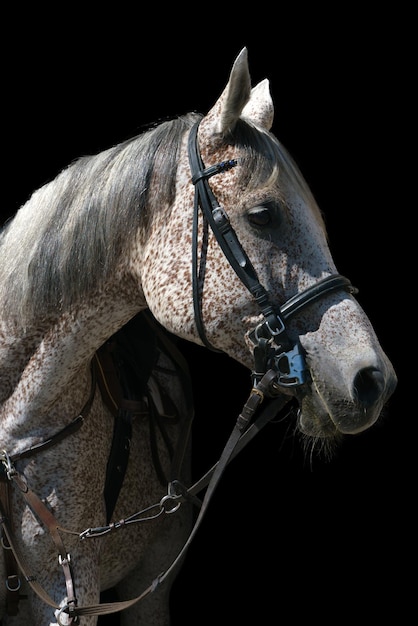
[(202, 230)]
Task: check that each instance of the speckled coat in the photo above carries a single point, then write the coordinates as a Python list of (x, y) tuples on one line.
[(45, 364)]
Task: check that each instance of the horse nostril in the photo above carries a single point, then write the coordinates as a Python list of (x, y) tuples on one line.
[(368, 386)]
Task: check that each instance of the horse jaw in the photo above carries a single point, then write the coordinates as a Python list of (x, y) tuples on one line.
[(238, 99)]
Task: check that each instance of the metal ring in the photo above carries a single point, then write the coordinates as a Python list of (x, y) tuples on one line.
[(9, 588), (173, 509)]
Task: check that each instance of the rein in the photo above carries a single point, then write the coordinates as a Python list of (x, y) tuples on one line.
[(243, 433)]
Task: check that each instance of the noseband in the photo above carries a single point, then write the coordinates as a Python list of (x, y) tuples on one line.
[(273, 347)]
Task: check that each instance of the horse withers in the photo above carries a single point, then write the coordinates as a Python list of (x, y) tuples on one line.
[(205, 226)]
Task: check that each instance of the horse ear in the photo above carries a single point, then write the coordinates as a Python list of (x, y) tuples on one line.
[(239, 100), (236, 93), (223, 116), (259, 109)]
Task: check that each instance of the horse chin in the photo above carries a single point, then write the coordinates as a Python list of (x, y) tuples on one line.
[(318, 432)]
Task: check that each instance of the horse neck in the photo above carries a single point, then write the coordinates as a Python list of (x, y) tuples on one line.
[(51, 363)]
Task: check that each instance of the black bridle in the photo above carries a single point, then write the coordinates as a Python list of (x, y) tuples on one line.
[(273, 348)]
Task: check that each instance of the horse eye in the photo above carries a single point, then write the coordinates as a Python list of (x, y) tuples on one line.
[(259, 216)]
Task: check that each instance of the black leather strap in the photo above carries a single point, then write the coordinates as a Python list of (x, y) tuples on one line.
[(227, 239), (318, 290)]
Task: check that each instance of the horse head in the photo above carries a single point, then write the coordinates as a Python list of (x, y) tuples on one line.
[(266, 232)]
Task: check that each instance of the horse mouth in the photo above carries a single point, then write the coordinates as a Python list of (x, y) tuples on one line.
[(316, 425), (316, 420)]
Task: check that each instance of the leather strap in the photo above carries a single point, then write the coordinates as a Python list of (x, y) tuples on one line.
[(13, 582), (257, 395), (48, 519), (241, 428), (13, 557), (228, 241)]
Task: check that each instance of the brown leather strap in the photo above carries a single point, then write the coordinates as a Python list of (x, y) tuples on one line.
[(69, 429), (12, 570), (21, 561), (48, 519), (14, 560)]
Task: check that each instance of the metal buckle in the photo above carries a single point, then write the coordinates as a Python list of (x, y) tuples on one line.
[(7, 463), (281, 328), (220, 217), (65, 610), (64, 561)]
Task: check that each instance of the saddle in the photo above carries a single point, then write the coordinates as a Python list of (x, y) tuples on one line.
[(126, 367)]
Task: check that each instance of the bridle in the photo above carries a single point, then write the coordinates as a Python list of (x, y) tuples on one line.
[(273, 347), (278, 362)]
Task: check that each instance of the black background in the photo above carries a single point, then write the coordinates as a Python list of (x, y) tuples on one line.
[(285, 539)]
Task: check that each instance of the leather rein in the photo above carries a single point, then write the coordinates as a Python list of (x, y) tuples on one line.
[(278, 362), (177, 494)]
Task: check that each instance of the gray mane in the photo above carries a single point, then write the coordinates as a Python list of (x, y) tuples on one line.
[(69, 236)]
